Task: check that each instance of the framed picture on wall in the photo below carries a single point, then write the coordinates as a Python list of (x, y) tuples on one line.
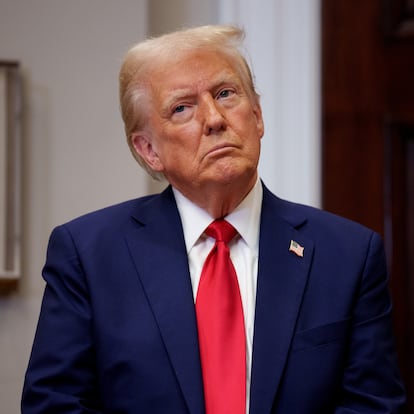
[(10, 174)]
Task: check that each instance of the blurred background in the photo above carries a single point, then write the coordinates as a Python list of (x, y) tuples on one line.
[(339, 128)]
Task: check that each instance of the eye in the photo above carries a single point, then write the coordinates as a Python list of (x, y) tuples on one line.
[(225, 93), (179, 108)]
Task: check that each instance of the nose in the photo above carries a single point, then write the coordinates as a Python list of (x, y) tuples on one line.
[(214, 120)]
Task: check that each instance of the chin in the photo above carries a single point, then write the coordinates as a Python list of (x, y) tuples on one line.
[(232, 176)]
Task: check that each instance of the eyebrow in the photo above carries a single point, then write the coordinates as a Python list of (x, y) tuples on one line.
[(178, 94)]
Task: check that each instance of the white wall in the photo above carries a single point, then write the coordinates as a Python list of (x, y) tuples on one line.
[(75, 155), (166, 16)]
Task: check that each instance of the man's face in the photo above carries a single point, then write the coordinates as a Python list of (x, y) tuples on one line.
[(203, 130)]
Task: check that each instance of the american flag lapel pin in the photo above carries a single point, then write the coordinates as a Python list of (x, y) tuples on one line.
[(296, 248)]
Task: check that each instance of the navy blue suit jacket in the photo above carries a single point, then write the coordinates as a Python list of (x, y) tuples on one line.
[(117, 331)]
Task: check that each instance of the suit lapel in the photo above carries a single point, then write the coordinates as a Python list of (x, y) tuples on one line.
[(158, 250), (282, 277)]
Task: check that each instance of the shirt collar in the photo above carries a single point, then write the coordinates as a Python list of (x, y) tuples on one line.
[(245, 218)]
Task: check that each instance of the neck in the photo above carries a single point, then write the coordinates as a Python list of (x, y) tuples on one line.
[(219, 200)]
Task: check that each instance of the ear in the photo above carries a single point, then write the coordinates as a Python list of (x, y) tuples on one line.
[(257, 110), (143, 146)]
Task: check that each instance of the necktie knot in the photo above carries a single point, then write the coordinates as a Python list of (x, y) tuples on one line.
[(221, 230)]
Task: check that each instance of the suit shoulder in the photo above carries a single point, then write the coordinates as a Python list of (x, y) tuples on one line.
[(105, 229), (110, 217), (320, 217), (317, 221)]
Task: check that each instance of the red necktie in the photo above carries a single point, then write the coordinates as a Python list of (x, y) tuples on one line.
[(221, 327)]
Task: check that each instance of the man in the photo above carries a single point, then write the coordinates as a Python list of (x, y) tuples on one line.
[(130, 320)]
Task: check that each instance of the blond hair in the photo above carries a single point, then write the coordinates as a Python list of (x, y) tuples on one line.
[(139, 61)]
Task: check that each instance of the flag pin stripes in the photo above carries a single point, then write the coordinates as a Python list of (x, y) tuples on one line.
[(296, 248)]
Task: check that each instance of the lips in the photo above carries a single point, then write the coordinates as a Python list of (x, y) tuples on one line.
[(221, 148)]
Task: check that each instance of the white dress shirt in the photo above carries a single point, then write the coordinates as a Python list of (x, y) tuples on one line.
[(244, 252)]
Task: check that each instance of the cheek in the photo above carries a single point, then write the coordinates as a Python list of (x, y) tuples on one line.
[(250, 128), (179, 152), (183, 140), (250, 118)]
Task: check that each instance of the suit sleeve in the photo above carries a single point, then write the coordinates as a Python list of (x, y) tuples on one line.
[(371, 381), (61, 375)]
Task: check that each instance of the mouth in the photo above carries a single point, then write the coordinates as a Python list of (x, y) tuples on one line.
[(220, 149)]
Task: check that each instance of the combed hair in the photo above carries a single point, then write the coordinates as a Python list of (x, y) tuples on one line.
[(135, 73)]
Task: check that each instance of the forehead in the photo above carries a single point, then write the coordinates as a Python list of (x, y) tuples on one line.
[(193, 69)]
